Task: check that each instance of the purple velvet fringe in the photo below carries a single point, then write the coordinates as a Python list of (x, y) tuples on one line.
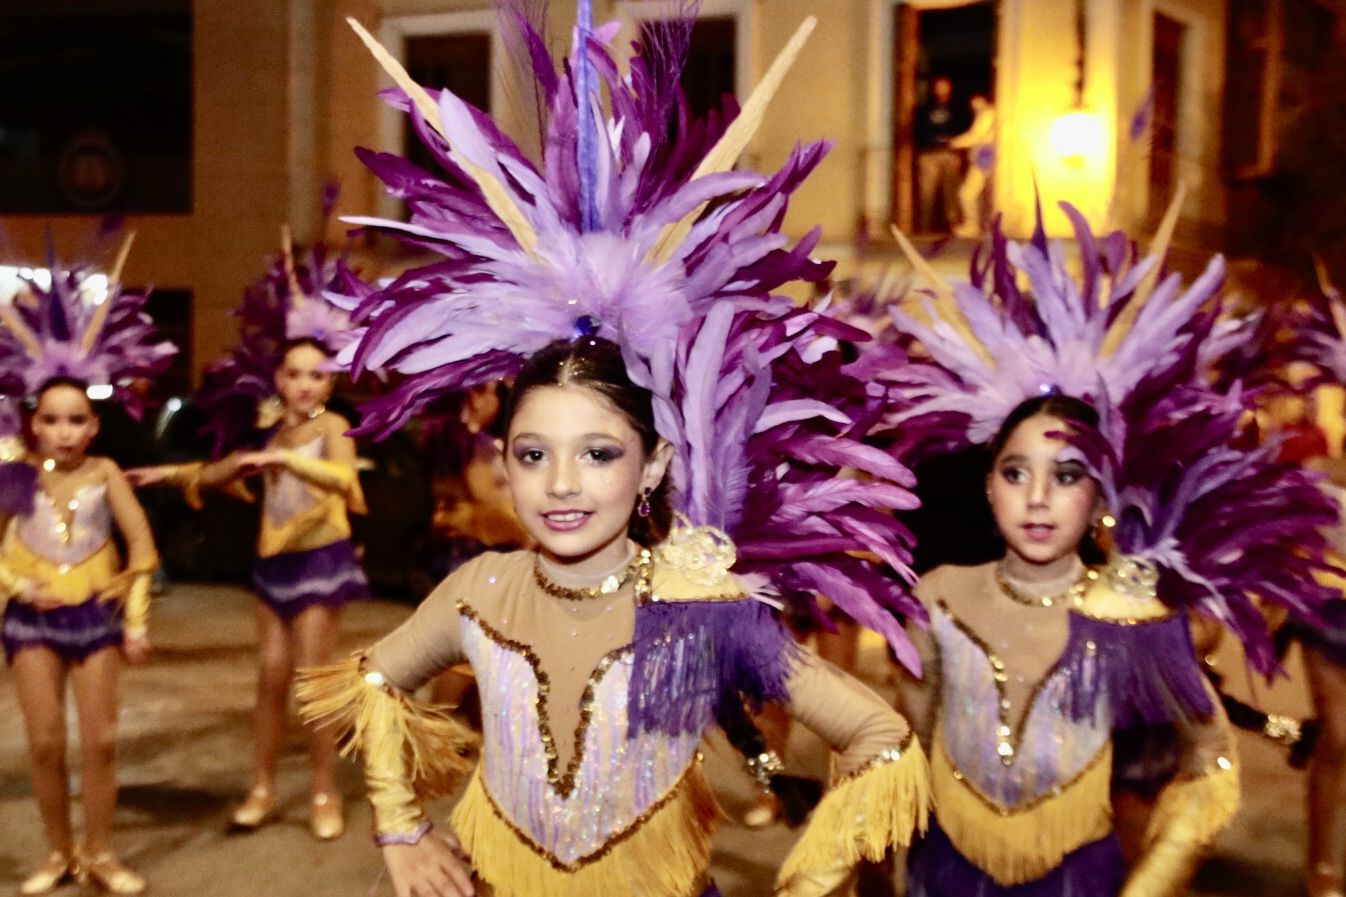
[(691, 657), (935, 868), (74, 632), (18, 488), (1147, 672)]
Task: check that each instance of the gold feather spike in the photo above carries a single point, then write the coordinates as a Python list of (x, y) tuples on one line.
[(104, 308), (1112, 340), (115, 275), (1330, 291), (946, 305), (724, 154), (10, 318), (297, 296), (501, 203)]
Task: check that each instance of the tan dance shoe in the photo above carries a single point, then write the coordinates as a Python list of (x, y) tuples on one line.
[(58, 867), (327, 821), (256, 810), (107, 872)]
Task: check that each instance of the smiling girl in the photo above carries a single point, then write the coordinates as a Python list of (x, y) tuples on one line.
[(593, 654)]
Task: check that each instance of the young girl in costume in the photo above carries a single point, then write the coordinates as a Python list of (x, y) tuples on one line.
[(1043, 672), (1318, 335), (306, 568), (75, 611), (626, 281), (600, 658)]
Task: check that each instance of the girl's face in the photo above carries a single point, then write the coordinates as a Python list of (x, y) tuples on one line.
[(301, 380), (576, 470), (1042, 498), (64, 424)]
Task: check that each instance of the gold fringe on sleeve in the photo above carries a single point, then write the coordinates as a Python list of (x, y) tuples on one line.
[(873, 809), (410, 752), (1015, 845), (1189, 815), (664, 853)]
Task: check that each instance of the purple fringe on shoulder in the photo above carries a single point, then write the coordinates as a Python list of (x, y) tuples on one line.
[(935, 868), (18, 488), (692, 656), (1146, 672)]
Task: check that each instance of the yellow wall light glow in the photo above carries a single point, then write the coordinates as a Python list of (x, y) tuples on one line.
[(1077, 137)]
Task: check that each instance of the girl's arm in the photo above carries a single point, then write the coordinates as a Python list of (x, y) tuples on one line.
[(409, 750), (1192, 809), (882, 791), (335, 472), (141, 557), (918, 697), (12, 585)]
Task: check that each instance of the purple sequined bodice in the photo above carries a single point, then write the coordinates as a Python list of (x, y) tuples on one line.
[(286, 494), (69, 533), (1012, 755), (569, 810)]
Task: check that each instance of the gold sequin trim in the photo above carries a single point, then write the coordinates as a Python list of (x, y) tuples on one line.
[(563, 782), (1125, 621), (887, 755), (1074, 593), (609, 586), (1008, 739), (1104, 753), (684, 781)]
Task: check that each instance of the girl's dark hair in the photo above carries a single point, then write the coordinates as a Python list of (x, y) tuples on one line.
[(597, 364), (305, 341), (1062, 407), (60, 380)]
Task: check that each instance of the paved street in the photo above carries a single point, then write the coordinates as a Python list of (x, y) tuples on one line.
[(186, 753)]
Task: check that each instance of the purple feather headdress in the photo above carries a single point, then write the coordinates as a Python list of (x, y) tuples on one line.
[(305, 299), (1315, 331), (81, 325), (1194, 497), (665, 249)]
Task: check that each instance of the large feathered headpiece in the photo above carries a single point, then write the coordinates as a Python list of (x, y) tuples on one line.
[(1197, 503), (664, 248), (297, 299), (83, 325)]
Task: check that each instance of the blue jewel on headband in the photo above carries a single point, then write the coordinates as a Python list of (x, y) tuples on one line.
[(1048, 389), (587, 326)]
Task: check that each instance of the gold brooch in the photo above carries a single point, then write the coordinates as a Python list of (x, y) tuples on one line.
[(703, 554)]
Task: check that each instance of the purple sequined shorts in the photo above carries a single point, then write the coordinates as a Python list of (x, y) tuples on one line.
[(74, 632), (936, 869), (328, 576)]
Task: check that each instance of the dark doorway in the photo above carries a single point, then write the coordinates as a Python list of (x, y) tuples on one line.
[(1170, 37), (461, 63), (957, 44)]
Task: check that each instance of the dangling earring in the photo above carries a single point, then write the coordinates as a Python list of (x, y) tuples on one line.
[(643, 509)]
